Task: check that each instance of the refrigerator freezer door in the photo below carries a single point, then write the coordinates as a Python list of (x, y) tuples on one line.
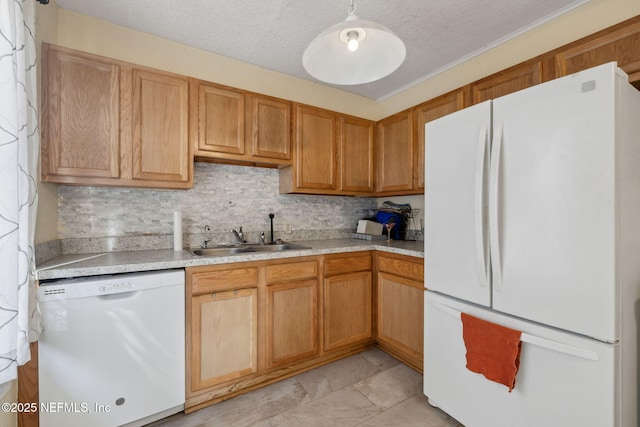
[(563, 380), (553, 203), (456, 160)]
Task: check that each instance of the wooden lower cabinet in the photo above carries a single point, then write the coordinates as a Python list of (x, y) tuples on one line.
[(292, 311), (224, 333), (292, 318), (347, 300), (400, 295), (253, 323), (250, 324), (222, 325)]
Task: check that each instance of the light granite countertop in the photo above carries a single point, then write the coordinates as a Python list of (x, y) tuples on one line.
[(79, 265)]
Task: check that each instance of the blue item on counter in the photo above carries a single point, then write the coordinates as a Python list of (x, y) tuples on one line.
[(397, 232)]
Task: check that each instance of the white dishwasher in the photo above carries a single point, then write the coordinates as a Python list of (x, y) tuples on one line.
[(113, 349)]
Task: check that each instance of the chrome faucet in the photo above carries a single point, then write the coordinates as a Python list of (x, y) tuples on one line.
[(238, 235), (262, 237)]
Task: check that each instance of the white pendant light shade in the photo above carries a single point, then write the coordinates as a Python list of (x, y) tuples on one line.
[(330, 56)]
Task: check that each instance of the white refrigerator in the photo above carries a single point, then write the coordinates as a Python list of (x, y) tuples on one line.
[(532, 221)]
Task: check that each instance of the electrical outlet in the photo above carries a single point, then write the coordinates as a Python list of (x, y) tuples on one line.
[(287, 227)]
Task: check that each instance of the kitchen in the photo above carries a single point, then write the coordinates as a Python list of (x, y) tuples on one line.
[(59, 204)]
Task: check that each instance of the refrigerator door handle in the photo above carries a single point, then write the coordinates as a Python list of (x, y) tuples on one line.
[(531, 339), (481, 253), (494, 190)]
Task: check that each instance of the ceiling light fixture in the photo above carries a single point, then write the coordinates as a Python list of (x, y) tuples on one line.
[(353, 52)]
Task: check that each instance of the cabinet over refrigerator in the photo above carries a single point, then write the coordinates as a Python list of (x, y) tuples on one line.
[(532, 222)]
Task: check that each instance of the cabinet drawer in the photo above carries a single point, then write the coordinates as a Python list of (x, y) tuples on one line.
[(292, 271), (409, 267), (224, 279), (347, 264)]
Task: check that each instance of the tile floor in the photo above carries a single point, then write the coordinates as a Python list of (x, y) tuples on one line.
[(367, 389)]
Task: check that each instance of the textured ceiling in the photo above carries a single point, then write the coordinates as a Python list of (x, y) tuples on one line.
[(273, 34)]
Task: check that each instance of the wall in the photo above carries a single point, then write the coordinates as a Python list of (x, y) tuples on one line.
[(576, 24), (47, 218), (110, 40), (118, 42), (95, 219), (417, 208), (84, 33)]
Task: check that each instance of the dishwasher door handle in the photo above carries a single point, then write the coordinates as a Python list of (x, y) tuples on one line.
[(120, 295)]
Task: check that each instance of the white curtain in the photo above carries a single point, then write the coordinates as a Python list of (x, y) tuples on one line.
[(19, 146)]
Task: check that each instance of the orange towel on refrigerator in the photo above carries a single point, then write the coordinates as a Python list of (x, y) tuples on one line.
[(492, 350)]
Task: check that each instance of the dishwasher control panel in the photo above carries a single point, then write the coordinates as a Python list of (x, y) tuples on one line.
[(118, 287), (81, 287)]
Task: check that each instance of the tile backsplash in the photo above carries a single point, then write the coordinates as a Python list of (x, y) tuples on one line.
[(224, 197)]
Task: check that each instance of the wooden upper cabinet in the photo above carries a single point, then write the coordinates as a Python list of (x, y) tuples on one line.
[(314, 169), (160, 127), (620, 43), (423, 114), (270, 128), (356, 156), (220, 116), (400, 143), (233, 126), (108, 122), (81, 116), (333, 154), (316, 148), (508, 81), (395, 155)]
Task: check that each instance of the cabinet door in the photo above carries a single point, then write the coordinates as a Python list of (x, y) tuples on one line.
[(356, 155), (621, 44), (347, 309), (434, 109), (81, 116), (401, 316), (224, 337), (505, 82), (220, 115), (316, 149), (292, 322), (270, 128), (395, 154), (160, 141)]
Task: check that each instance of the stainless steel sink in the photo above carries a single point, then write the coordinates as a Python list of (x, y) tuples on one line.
[(218, 251), (279, 247), (225, 250)]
